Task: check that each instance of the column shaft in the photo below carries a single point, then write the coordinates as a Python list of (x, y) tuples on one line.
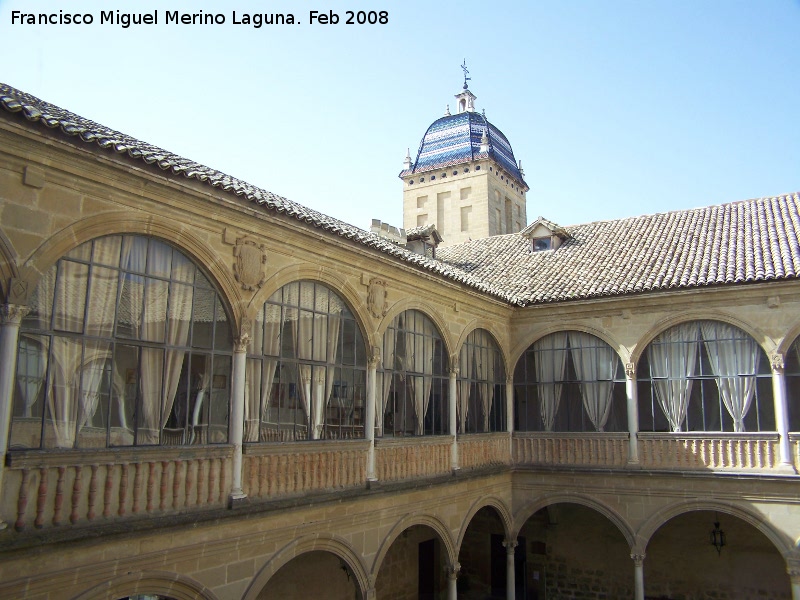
[(781, 411), (453, 417), (633, 413), (237, 418), (369, 418)]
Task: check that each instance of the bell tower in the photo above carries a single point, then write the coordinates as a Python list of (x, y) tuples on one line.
[(464, 178)]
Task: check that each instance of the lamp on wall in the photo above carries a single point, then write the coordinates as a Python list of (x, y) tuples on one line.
[(717, 536)]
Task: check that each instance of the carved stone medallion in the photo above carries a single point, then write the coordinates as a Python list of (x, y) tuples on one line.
[(376, 298), (249, 266)]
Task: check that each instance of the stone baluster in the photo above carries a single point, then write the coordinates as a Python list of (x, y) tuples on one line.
[(11, 316), (781, 412)]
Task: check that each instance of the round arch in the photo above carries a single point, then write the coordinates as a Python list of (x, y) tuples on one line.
[(785, 344), (309, 543), (334, 281), (163, 583), (492, 330), (784, 544), (489, 502), (425, 308), (121, 223), (521, 347), (527, 511), (405, 523), (663, 325)]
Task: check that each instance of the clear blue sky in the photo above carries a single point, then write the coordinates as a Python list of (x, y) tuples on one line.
[(615, 108)]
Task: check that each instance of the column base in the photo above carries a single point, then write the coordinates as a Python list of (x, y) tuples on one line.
[(237, 500)]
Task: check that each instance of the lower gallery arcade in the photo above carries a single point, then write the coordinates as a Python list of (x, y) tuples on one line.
[(201, 397)]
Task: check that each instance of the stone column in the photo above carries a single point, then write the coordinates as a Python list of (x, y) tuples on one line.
[(11, 316), (781, 412), (240, 344), (633, 413), (452, 581), (510, 404), (453, 397), (638, 576), (369, 418), (510, 546), (793, 568)]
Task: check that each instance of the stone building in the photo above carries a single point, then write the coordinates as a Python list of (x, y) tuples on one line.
[(209, 391)]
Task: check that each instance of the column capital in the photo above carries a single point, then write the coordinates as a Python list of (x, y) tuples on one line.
[(452, 570), (630, 370), (241, 343), (12, 314), (510, 380), (374, 360), (793, 569), (638, 559), (776, 362), (509, 545), (454, 371)]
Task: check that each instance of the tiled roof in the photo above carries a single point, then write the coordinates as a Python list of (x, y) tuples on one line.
[(456, 139), (35, 110), (741, 242), (750, 241)]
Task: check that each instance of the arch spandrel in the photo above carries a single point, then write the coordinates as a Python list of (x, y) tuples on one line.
[(410, 521), (310, 543), (122, 223), (784, 544), (530, 509)]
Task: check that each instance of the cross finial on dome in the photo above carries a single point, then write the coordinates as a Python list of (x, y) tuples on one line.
[(466, 72), (447, 111)]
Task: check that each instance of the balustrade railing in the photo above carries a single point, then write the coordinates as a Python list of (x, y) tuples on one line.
[(483, 450), (412, 457), (746, 452), (50, 489), (272, 470), (794, 445), (571, 449)]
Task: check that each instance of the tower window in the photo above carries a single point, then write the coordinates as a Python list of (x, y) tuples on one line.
[(478, 168)]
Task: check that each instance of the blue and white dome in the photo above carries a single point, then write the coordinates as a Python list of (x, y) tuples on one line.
[(456, 139)]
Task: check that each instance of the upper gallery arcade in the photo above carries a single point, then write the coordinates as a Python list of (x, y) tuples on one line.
[(215, 392)]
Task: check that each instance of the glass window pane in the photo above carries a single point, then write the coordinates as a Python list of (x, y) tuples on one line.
[(129, 311), (222, 331), (82, 252), (156, 297), (124, 395), (220, 395), (106, 251), (102, 302), (149, 415), (70, 296), (203, 318), (29, 391), (62, 397), (182, 268), (95, 390), (159, 259)]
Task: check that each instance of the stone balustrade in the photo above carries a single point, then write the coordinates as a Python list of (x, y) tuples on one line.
[(570, 449), (48, 489), (794, 444), (483, 450), (273, 470), (412, 457), (744, 452)]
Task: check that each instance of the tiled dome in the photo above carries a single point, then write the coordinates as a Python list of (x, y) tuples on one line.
[(456, 139)]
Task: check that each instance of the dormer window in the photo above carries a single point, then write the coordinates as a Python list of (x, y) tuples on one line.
[(545, 235), (542, 243)]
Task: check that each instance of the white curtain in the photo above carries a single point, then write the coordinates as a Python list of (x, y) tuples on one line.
[(734, 357), (420, 344), (551, 358), (466, 362), (386, 377), (31, 369), (266, 339), (160, 368), (673, 358), (485, 372), (595, 364), (316, 338)]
